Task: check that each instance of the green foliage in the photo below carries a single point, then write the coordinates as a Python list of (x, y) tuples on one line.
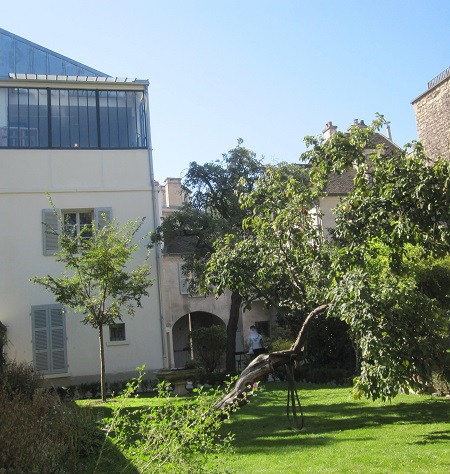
[(281, 257), (172, 435), (209, 346), (210, 212)]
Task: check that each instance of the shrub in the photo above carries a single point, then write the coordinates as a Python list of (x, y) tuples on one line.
[(20, 378), (210, 345), (42, 434), (173, 436)]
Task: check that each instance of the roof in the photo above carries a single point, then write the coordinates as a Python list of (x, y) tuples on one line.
[(20, 56), (340, 184)]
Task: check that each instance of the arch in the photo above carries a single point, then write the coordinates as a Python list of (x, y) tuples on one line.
[(181, 329)]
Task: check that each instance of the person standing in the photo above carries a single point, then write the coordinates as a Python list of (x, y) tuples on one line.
[(255, 342)]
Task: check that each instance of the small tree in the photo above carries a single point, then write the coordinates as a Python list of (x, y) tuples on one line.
[(209, 346), (96, 281)]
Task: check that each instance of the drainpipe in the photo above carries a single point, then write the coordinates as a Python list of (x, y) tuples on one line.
[(157, 248)]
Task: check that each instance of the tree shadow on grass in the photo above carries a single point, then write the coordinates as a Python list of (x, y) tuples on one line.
[(107, 458), (435, 437), (263, 423)]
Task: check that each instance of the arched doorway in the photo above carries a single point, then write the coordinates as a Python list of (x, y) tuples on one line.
[(181, 329)]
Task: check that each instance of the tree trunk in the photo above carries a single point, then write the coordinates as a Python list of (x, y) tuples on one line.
[(102, 364), (263, 365), (236, 300)]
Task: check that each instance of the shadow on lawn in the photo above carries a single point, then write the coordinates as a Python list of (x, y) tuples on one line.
[(264, 423), (108, 459)]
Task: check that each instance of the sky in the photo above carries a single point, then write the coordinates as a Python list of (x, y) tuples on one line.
[(268, 71)]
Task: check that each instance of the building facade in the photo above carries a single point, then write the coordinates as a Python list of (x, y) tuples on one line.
[(183, 312), (84, 138), (432, 111)]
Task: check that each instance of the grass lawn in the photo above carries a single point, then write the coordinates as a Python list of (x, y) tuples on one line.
[(409, 435)]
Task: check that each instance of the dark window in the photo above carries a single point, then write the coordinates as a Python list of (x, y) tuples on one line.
[(117, 332), (75, 117)]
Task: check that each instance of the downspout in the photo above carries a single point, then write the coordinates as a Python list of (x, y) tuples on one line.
[(155, 224)]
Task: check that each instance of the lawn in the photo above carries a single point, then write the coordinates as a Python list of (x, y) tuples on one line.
[(409, 435)]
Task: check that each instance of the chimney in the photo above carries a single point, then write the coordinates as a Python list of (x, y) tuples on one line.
[(388, 130), (329, 131), (174, 192)]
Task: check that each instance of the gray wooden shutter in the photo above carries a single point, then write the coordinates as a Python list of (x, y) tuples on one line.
[(41, 343), (57, 339), (102, 215), (49, 339), (50, 231)]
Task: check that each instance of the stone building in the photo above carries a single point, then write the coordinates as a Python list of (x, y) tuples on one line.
[(432, 111)]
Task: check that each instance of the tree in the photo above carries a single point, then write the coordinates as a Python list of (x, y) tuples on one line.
[(96, 281), (368, 276), (211, 211)]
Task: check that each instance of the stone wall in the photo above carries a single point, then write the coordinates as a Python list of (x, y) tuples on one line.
[(432, 111)]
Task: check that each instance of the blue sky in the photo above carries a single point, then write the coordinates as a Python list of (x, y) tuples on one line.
[(268, 71)]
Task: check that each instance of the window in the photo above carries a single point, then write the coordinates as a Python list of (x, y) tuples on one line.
[(183, 280), (49, 339), (73, 220), (117, 332), (72, 118), (76, 222)]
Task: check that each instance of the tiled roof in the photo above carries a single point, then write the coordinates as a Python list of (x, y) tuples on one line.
[(341, 184)]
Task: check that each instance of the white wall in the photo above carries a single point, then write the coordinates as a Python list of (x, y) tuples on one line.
[(75, 179)]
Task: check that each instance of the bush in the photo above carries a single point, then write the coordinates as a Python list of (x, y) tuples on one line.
[(20, 378), (310, 374), (173, 436), (210, 345), (42, 434)]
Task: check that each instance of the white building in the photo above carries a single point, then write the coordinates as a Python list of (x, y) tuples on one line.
[(83, 137)]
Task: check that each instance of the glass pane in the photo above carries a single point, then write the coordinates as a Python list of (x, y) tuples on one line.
[(104, 119), (64, 119), (86, 219), (55, 122), (74, 119), (70, 223), (43, 118), (113, 120), (122, 119), (3, 117), (92, 117)]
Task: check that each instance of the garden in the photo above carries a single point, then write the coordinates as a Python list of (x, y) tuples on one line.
[(158, 432)]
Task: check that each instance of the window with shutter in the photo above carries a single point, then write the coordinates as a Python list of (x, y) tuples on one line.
[(49, 339), (74, 221)]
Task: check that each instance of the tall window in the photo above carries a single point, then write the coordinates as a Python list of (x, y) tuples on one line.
[(72, 118)]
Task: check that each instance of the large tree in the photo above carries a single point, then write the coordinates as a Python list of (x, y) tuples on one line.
[(396, 217), (97, 281), (211, 211)]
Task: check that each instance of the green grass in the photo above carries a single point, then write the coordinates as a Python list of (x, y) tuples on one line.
[(409, 435)]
